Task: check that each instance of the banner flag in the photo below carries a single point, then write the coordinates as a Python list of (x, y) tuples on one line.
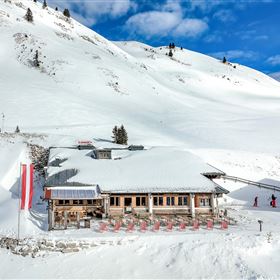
[(27, 186), (23, 186)]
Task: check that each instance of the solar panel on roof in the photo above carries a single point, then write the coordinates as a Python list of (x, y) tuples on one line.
[(73, 194)]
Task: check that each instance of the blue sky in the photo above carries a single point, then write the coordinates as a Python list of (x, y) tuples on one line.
[(246, 32)]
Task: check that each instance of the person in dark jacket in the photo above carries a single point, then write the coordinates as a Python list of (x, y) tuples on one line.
[(256, 202), (273, 200)]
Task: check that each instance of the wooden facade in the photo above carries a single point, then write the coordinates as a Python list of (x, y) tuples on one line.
[(161, 203), (64, 213)]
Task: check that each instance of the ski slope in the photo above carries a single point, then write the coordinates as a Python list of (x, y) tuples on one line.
[(87, 84), (227, 114)]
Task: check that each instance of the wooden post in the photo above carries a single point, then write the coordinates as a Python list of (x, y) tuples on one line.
[(78, 220), (192, 205), (150, 203), (51, 215), (65, 219), (213, 203)]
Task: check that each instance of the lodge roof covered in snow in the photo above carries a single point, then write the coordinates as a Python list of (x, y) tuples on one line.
[(153, 170)]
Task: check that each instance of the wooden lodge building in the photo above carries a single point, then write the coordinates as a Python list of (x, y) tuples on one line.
[(83, 184)]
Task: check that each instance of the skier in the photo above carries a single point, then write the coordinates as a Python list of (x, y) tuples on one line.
[(273, 201), (256, 202)]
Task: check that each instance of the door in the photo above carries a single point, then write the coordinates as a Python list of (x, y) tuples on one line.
[(127, 201)]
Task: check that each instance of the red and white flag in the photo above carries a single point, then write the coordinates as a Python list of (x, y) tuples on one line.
[(26, 186)]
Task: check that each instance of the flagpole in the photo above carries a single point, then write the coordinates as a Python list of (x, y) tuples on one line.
[(19, 201)]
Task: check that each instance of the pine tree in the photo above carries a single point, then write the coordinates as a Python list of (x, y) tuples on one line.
[(224, 60), (36, 59), (173, 46), (115, 132), (170, 53), (35, 1), (17, 130), (56, 9), (29, 15), (181, 48), (66, 13), (170, 46), (124, 137), (45, 4)]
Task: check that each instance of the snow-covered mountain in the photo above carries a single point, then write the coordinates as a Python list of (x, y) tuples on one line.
[(86, 84)]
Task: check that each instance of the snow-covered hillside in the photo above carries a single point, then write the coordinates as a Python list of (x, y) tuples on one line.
[(86, 84), (227, 114)]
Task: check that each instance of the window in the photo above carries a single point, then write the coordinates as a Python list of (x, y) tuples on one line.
[(114, 201), (155, 200), (80, 202), (170, 200), (140, 201), (160, 201), (89, 201), (182, 200), (66, 202), (60, 202), (75, 202), (204, 202)]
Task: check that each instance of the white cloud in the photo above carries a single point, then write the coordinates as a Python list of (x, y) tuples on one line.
[(191, 27), (224, 15), (274, 60), (152, 23), (167, 21), (235, 54), (90, 12)]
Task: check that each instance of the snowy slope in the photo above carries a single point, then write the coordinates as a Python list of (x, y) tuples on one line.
[(86, 84)]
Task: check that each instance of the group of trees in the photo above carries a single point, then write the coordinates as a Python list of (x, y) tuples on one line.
[(120, 135), (171, 46), (29, 15)]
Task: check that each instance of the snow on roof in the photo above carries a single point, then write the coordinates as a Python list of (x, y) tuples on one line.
[(160, 169)]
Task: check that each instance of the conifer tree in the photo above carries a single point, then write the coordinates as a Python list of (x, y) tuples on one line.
[(56, 9), (66, 13), (45, 4), (224, 60), (170, 53), (17, 130), (124, 137), (119, 136), (36, 59), (35, 1), (115, 132), (173, 46), (29, 15)]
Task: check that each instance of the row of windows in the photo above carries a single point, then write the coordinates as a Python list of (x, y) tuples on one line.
[(78, 202), (170, 200), (142, 201)]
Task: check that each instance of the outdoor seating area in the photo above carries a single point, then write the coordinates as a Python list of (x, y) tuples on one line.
[(131, 224)]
